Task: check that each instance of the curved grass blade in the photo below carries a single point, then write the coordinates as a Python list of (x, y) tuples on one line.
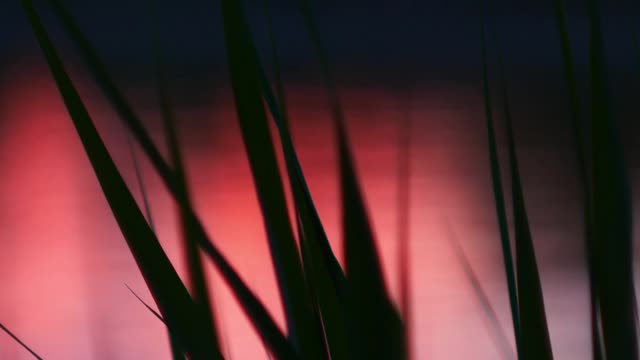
[(245, 78), (255, 310), (403, 226), (533, 321), (175, 351), (176, 354), (277, 69), (169, 292), (313, 228), (636, 49), (578, 133), (498, 333), (499, 198), (612, 213), (197, 281), (376, 316), (152, 310), (320, 264), (16, 339), (113, 94), (380, 331), (325, 292), (140, 181)]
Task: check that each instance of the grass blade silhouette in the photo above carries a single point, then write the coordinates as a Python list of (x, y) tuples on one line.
[(99, 72), (140, 181), (16, 339), (612, 213), (533, 320), (152, 310), (380, 329), (176, 354), (169, 292), (578, 133), (498, 334), (197, 281), (499, 197), (255, 310), (403, 226), (328, 289), (247, 88)]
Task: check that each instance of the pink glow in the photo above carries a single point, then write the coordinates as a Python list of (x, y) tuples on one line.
[(63, 262)]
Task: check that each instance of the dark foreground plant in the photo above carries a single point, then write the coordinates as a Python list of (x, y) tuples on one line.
[(331, 312)]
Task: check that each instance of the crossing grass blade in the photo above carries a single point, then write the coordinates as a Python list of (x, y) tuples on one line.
[(312, 226), (320, 264), (379, 328), (16, 339), (403, 226), (533, 320), (176, 354), (316, 264), (197, 281), (255, 310), (152, 310), (580, 146), (382, 330), (499, 197), (167, 289), (612, 212), (175, 350), (113, 94), (140, 181), (245, 77), (498, 334), (277, 69)]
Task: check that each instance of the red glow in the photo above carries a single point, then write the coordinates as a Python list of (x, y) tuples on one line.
[(63, 262)]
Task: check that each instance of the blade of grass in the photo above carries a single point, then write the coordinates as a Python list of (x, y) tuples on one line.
[(255, 310), (535, 333), (176, 354), (636, 49), (499, 335), (169, 292), (16, 339), (382, 329), (612, 211), (196, 276), (152, 310), (403, 224), (109, 88), (246, 85), (381, 332), (499, 198), (579, 138), (635, 41), (308, 212), (140, 181), (175, 350), (311, 233), (277, 69)]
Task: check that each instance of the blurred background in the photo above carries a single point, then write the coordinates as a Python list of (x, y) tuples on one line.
[(64, 263)]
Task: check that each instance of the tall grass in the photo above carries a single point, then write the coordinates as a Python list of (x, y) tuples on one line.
[(499, 196), (333, 312), (496, 330), (196, 275), (612, 216), (578, 126)]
